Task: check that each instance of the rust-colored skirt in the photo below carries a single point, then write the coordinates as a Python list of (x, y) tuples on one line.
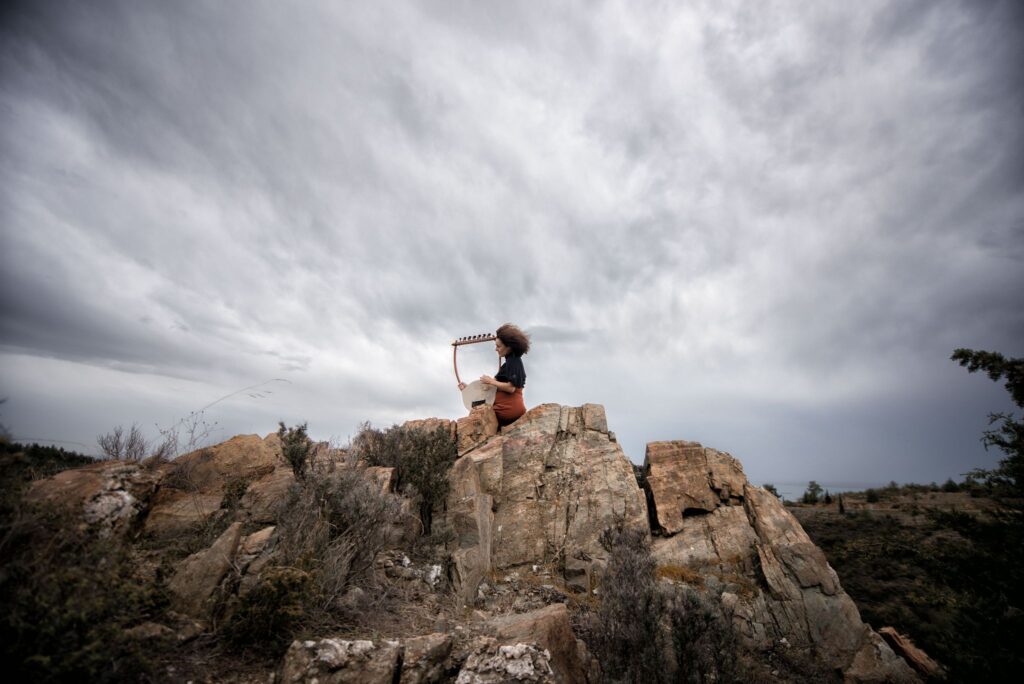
[(509, 407)]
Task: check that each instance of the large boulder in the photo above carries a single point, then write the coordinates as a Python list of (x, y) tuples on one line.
[(549, 629), (541, 491), (757, 560), (426, 659), (112, 495), (507, 664), (194, 486), (475, 429), (341, 661), (198, 576)]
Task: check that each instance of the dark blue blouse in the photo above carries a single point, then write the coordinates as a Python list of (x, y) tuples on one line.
[(512, 371)]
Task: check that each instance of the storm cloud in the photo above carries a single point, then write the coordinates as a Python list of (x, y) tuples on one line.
[(763, 226)]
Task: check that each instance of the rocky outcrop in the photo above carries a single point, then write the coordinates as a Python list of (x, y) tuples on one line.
[(198, 576), (426, 659), (541, 491), (754, 557), (194, 486), (550, 630), (506, 665), (113, 495), (915, 657), (341, 661)]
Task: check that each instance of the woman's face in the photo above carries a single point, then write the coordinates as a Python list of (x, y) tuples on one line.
[(501, 348)]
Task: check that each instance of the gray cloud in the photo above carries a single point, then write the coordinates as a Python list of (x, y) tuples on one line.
[(756, 225)]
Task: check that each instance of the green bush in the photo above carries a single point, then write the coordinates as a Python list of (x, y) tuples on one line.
[(421, 459), (69, 595), (297, 448), (872, 496), (333, 526), (269, 614)]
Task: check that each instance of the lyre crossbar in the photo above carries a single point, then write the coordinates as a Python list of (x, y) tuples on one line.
[(462, 341)]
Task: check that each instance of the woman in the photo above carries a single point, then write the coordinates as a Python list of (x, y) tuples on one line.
[(511, 344)]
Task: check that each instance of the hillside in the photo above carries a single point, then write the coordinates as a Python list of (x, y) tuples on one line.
[(943, 567), (436, 551)]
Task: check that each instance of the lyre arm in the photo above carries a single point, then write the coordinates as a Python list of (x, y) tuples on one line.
[(462, 341)]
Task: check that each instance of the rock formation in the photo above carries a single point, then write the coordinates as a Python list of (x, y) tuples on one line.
[(112, 495), (542, 491), (531, 499), (755, 558)]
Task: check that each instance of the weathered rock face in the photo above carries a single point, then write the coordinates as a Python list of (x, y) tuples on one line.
[(341, 661), (199, 575), (112, 494), (507, 664), (915, 657), (193, 486), (772, 580), (541, 491), (550, 630)]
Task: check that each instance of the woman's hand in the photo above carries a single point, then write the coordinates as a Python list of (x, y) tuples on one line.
[(488, 380)]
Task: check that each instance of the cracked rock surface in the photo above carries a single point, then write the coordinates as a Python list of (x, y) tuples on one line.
[(755, 558), (542, 491)]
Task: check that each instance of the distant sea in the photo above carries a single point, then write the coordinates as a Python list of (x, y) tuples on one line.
[(792, 491)]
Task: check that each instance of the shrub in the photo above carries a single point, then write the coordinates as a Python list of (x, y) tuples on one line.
[(267, 616), (627, 632), (768, 487), (950, 486), (69, 595), (332, 526), (297, 448), (648, 632), (704, 645), (421, 459), (119, 446), (872, 495)]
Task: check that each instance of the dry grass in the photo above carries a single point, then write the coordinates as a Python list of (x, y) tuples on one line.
[(679, 573)]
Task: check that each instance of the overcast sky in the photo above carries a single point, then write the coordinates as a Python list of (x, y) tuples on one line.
[(763, 226)]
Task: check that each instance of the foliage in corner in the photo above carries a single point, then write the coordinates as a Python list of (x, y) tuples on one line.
[(1007, 479), (70, 595)]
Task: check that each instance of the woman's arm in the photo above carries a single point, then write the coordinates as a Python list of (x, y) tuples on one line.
[(503, 386)]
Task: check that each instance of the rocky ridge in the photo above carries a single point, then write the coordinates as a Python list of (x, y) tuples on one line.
[(529, 501)]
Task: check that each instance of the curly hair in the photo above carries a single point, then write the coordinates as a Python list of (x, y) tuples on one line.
[(514, 338)]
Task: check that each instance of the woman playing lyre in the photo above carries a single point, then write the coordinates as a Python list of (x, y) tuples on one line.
[(511, 343)]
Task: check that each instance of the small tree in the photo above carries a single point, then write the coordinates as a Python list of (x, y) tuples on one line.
[(1008, 477), (769, 487), (120, 446), (812, 494), (421, 459), (296, 447), (842, 506)]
